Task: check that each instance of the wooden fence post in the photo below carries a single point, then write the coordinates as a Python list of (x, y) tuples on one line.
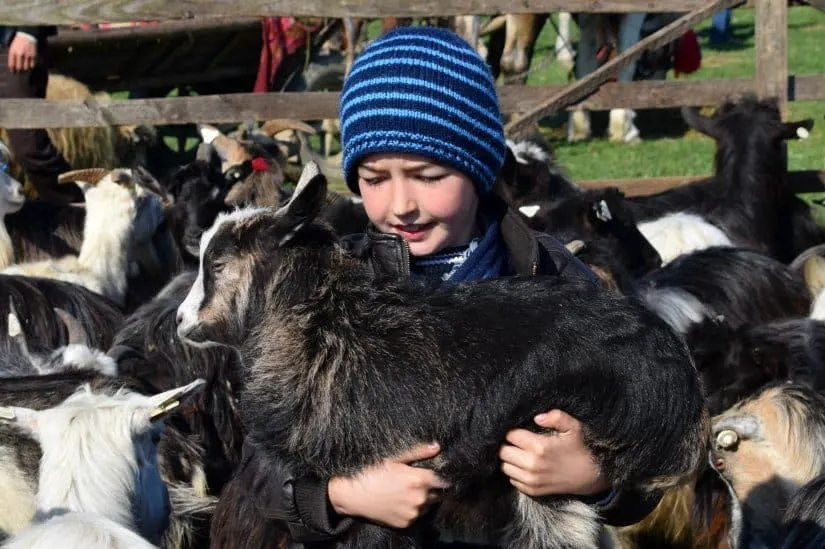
[(771, 31)]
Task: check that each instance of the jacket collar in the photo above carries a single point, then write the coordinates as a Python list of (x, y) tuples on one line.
[(388, 255)]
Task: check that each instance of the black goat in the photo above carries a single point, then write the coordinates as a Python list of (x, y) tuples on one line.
[(613, 245), (342, 370), (748, 196), (199, 191), (742, 286), (803, 523), (531, 174)]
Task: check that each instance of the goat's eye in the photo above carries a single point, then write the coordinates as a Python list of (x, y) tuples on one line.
[(155, 438)]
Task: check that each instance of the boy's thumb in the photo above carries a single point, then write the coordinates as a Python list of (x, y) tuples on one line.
[(417, 453)]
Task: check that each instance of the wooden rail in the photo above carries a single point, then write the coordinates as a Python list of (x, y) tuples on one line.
[(61, 12), (40, 113)]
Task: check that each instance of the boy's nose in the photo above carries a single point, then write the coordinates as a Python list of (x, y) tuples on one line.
[(403, 202)]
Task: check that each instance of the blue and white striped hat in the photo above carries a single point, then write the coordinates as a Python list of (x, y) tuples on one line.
[(424, 91)]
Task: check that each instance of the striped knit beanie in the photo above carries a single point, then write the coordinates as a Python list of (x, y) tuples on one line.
[(423, 91)]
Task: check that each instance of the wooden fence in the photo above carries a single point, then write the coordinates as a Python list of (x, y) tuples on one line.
[(529, 102)]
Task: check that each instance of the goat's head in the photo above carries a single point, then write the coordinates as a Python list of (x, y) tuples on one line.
[(11, 190), (119, 479), (240, 256), (603, 216), (768, 446), (531, 174), (199, 191), (252, 162), (747, 125)]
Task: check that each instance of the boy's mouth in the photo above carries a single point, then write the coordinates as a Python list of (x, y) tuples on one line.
[(414, 231)]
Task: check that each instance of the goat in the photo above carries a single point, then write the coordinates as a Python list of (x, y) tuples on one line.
[(531, 174), (199, 191), (748, 197), (103, 260), (765, 449), (324, 394), (102, 502), (253, 168), (40, 230), (613, 245), (741, 285)]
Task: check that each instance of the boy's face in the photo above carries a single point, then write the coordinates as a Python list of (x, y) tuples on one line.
[(430, 205)]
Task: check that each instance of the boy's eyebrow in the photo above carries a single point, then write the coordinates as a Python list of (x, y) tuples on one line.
[(414, 168)]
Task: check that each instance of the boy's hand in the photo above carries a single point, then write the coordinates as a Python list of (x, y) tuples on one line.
[(554, 463)]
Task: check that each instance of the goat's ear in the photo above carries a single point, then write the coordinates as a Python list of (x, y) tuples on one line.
[(796, 130), (208, 132), (814, 273), (25, 419), (5, 154), (308, 197), (15, 330), (700, 123), (163, 404)]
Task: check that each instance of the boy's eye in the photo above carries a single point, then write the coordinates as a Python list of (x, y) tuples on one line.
[(372, 180), (431, 178)]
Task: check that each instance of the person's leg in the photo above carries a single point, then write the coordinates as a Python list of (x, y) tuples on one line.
[(33, 148), (720, 31)]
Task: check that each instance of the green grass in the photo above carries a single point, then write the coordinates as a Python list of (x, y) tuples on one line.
[(669, 149)]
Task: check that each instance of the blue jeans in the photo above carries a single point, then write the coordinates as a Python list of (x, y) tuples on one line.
[(720, 31)]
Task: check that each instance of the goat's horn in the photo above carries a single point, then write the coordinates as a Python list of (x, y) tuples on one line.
[(272, 127), (727, 438), (574, 246), (77, 334), (89, 175)]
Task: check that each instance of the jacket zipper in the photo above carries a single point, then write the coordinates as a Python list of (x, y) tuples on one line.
[(406, 258)]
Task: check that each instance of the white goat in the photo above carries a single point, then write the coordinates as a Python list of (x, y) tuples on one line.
[(11, 200), (681, 233), (98, 481), (109, 230)]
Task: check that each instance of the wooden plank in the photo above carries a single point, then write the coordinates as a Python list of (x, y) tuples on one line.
[(800, 181), (162, 29), (593, 81), (60, 12), (41, 113), (771, 26)]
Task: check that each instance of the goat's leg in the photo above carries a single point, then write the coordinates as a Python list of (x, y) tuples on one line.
[(564, 51)]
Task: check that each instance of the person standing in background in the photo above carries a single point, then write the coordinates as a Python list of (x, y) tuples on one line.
[(24, 74)]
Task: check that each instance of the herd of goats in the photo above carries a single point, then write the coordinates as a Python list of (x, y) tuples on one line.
[(117, 432)]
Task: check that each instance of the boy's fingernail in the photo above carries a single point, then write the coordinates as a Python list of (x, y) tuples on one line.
[(434, 445), (541, 417)]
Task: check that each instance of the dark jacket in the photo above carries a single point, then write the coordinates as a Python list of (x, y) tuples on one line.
[(302, 504), (40, 32)]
